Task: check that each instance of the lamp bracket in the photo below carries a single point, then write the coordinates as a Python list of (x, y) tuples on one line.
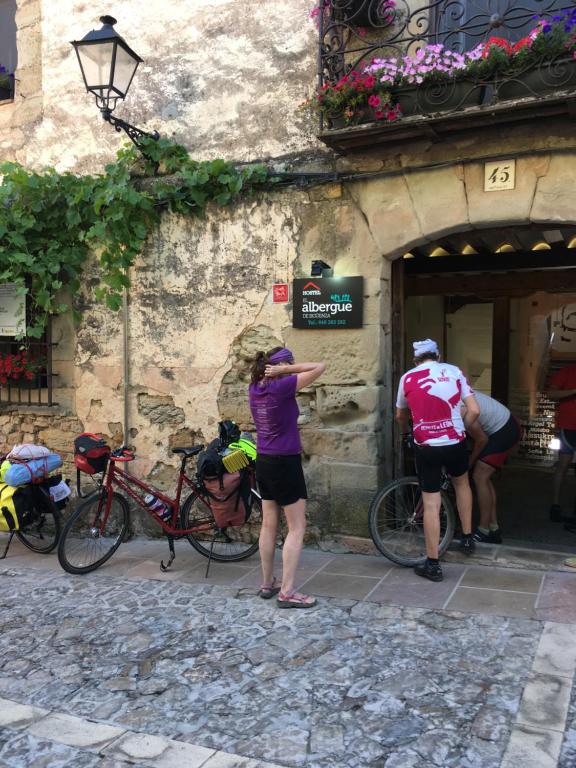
[(133, 133)]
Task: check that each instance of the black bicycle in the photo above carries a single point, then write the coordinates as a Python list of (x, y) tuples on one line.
[(396, 519), (41, 523)]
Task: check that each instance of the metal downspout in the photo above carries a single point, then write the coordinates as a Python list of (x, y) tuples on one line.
[(126, 362)]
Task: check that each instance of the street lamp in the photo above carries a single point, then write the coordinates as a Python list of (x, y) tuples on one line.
[(108, 65)]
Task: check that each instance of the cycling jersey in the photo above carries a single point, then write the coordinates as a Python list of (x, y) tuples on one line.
[(434, 392)]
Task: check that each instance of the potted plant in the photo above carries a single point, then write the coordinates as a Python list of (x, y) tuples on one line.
[(543, 61), (357, 97), (6, 84), (432, 80), (19, 368)]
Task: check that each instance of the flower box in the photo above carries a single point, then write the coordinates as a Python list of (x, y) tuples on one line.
[(439, 97), (547, 78)]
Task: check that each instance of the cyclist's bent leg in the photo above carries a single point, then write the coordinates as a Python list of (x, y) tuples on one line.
[(463, 502), (486, 494), (431, 503), (267, 541)]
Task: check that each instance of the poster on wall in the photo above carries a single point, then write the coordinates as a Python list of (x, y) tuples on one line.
[(331, 303), (12, 310)]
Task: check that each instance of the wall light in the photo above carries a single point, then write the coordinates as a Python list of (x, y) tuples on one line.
[(108, 65), (321, 269)]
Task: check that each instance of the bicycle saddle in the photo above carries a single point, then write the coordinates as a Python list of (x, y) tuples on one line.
[(189, 451)]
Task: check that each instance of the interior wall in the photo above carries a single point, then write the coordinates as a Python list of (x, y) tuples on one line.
[(469, 343), (424, 319)]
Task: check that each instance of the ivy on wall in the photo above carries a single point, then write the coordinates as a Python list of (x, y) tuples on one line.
[(50, 222)]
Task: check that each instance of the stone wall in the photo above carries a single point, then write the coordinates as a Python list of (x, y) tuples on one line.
[(222, 77)]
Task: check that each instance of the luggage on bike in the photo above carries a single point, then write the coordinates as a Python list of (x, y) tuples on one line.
[(16, 506), (228, 500), (91, 453), (32, 471)]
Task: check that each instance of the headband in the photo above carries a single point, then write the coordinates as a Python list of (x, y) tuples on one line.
[(282, 356)]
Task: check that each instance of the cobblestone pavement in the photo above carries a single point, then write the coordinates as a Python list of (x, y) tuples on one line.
[(128, 666)]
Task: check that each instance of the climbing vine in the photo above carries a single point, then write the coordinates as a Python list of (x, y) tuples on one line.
[(50, 222)]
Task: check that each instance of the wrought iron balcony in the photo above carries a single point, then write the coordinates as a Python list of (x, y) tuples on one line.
[(354, 33)]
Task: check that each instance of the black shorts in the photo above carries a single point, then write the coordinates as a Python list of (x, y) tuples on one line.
[(499, 445), (281, 478), (432, 459)]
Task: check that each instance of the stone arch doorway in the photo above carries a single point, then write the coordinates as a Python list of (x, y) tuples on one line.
[(501, 302)]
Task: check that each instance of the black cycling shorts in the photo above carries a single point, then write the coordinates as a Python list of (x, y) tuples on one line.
[(281, 478), (432, 459)]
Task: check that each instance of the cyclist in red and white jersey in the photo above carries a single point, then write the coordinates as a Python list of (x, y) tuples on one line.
[(432, 393)]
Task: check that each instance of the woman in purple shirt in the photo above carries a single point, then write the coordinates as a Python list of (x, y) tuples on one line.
[(275, 380)]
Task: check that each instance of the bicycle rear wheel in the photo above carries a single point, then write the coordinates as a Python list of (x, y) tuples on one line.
[(42, 532), (87, 542), (223, 544), (396, 519)]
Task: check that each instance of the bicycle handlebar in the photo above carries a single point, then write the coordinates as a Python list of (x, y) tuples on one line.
[(122, 454)]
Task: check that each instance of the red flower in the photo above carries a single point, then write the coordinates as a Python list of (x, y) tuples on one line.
[(374, 101)]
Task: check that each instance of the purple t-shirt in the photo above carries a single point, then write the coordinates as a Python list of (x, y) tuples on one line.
[(275, 413)]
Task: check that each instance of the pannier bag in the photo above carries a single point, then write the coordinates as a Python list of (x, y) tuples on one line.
[(15, 507), (32, 471), (91, 453), (228, 500)]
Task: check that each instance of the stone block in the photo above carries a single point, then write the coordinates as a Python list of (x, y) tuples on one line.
[(326, 192), (356, 447), (75, 732), (390, 213), (26, 111), (351, 356), (554, 197), (439, 199), (349, 403), (511, 206), (354, 477)]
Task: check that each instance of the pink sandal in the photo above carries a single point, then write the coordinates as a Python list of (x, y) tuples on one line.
[(295, 600), (268, 591)]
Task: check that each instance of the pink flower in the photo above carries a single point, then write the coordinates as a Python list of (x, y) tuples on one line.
[(379, 114), (374, 101)]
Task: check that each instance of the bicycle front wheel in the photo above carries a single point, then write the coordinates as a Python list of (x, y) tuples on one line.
[(223, 544), (42, 532), (89, 537), (396, 519)]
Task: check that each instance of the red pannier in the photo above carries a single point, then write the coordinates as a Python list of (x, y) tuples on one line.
[(226, 502), (91, 453)]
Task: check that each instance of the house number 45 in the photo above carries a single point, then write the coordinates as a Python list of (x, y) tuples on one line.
[(499, 176)]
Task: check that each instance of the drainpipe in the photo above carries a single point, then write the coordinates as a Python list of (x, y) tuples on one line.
[(126, 362)]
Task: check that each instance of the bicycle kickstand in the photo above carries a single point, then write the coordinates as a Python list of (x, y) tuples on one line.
[(3, 555), (210, 555), (166, 567)]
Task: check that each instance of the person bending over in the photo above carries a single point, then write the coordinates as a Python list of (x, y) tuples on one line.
[(275, 380), (432, 393), (494, 433)]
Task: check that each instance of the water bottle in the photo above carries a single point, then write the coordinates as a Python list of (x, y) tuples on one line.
[(158, 507)]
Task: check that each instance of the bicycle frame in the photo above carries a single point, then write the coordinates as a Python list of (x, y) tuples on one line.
[(119, 478)]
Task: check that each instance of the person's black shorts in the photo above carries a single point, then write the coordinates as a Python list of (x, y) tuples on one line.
[(281, 479), (499, 445), (431, 459)]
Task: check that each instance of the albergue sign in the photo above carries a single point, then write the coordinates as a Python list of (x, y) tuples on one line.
[(12, 310), (327, 302)]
